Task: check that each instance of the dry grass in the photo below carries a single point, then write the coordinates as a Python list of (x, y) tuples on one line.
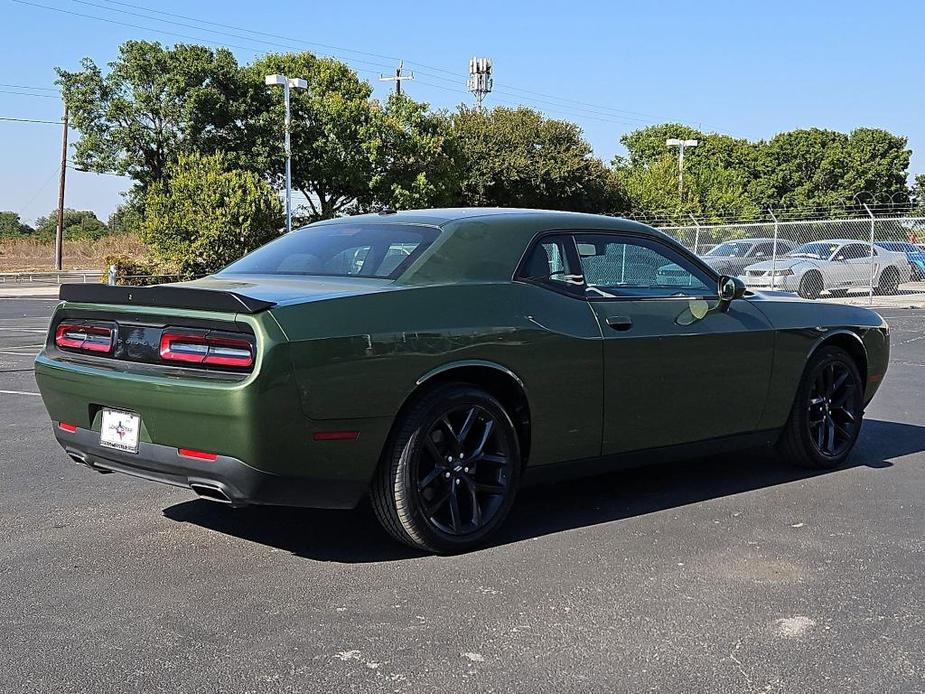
[(29, 255)]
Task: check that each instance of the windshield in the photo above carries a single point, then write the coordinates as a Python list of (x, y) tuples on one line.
[(732, 249), (339, 250), (820, 250)]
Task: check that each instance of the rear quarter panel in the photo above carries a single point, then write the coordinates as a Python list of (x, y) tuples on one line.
[(362, 357)]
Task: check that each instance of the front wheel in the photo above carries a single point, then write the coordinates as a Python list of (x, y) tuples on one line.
[(811, 285), (450, 472), (826, 417)]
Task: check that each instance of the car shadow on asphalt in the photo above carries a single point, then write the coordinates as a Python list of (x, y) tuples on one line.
[(355, 536)]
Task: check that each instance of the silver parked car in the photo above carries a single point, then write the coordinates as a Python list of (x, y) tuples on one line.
[(834, 265), (732, 257)]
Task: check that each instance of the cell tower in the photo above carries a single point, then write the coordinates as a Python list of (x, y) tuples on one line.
[(480, 81)]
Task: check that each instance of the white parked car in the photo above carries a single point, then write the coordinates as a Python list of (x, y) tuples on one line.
[(835, 265)]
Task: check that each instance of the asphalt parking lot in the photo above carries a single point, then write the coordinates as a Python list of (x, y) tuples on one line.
[(731, 575)]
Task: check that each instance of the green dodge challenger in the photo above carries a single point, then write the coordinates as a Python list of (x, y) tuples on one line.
[(436, 360)]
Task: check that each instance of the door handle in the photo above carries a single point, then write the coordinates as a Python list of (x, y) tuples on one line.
[(620, 322)]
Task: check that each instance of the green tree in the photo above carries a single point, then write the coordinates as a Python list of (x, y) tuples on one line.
[(78, 224), (814, 167), (334, 129), (154, 104), (413, 157), (126, 218), (205, 214), (11, 225), (517, 157)]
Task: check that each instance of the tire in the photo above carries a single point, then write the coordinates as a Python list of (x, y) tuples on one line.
[(427, 496), (824, 426), (811, 285), (889, 281)]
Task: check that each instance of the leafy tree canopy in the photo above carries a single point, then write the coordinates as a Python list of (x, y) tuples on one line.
[(730, 176), (516, 157), (78, 224), (154, 104), (12, 226)]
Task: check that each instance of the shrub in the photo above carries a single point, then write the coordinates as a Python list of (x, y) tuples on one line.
[(206, 215)]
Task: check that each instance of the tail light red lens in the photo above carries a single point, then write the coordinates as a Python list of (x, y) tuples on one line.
[(208, 350), (198, 455), (84, 337)]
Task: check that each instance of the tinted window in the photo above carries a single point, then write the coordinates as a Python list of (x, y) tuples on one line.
[(365, 250), (549, 263), (615, 266), (853, 251), (767, 249)]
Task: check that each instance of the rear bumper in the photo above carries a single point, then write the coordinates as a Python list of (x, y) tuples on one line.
[(224, 479)]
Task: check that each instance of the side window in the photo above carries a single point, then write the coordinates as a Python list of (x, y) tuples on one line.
[(548, 263), (615, 266), (854, 251), (766, 250)]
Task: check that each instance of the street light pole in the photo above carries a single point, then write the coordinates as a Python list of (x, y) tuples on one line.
[(681, 144), (286, 83)]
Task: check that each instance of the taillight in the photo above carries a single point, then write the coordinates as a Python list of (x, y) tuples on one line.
[(210, 350), (85, 337)]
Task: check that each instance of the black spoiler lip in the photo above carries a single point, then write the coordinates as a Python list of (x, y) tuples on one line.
[(164, 296)]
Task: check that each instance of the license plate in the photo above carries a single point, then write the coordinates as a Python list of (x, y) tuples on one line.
[(120, 430)]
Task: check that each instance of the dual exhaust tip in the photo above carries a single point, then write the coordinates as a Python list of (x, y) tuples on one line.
[(212, 491)]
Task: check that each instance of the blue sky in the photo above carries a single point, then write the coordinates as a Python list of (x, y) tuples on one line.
[(749, 69)]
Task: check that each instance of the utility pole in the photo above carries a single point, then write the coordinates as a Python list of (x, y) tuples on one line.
[(59, 235), (397, 79), (480, 80), (681, 144)]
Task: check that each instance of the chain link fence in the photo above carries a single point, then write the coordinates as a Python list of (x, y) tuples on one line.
[(877, 254)]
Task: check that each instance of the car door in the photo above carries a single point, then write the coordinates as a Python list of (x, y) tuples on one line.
[(679, 366), (858, 262)]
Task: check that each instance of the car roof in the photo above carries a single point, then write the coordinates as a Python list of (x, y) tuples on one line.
[(840, 241), (485, 243), (500, 215), (755, 240)]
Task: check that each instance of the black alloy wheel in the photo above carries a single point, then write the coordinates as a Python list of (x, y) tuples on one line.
[(832, 407), (450, 471), (463, 470), (826, 418)]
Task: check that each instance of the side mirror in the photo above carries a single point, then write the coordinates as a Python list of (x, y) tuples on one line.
[(730, 288)]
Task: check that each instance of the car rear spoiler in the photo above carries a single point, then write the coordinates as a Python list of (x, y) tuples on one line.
[(165, 296)]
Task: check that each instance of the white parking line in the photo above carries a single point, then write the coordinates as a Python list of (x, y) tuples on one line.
[(23, 330), (17, 392)]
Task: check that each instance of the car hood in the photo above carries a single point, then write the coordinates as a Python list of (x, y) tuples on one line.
[(288, 289), (783, 263)]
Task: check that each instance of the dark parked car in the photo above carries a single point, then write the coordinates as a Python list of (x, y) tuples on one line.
[(436, 360), (732, 257)]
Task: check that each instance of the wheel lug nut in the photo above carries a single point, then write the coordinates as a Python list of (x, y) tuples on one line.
[(457, 481), (448, 475), (465, 469)]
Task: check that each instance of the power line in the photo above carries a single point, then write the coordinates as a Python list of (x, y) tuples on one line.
[(30, 120), (29, 86), (562, 105), (42, 96), (561, 101)]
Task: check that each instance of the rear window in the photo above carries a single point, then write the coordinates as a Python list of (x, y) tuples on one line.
[(339, 250)]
